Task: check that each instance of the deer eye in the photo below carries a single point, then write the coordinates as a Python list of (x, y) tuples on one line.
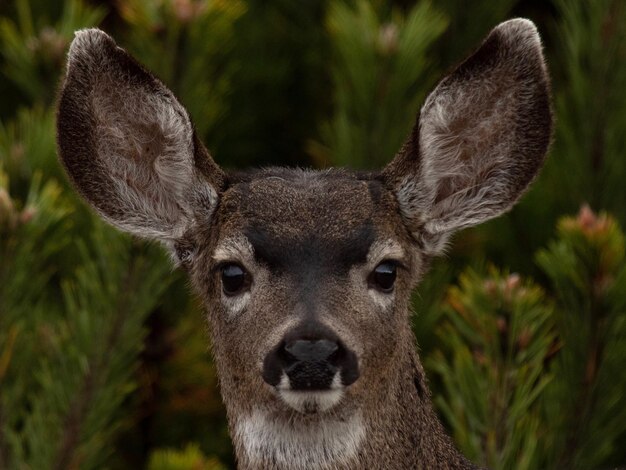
[(384, 276), (235, 279)]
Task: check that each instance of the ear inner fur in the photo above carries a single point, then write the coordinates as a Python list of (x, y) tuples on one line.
[(128, 145), (481, 137)]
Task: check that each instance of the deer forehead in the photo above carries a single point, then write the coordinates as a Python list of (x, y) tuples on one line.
[(308, 219)]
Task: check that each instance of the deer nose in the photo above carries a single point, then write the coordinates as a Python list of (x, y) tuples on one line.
[(311, 364), (306, 361), (311, 351)]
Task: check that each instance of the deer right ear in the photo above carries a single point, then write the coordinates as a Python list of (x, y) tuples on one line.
[(129, 146), (481, 137)]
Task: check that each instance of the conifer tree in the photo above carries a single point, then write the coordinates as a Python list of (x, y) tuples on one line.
[(584, 403), (382, 67), (496, 336), (534, 379)]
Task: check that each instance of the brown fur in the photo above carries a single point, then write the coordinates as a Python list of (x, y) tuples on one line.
[(308, 239)]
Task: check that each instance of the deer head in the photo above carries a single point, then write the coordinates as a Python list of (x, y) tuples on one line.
[(306, 275)]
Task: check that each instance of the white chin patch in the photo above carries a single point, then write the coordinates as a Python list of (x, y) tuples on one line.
[(329, 443), (311, 401)]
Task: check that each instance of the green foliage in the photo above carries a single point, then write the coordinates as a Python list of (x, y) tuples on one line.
[(34, 49), (587, 268), (497, 334), (27, 145), (280, 89), (536, 380), (25, 298), (184, 388), (382, 70), (426, 303), (189, 459), (590, 138), (67, 361), (85, 379)]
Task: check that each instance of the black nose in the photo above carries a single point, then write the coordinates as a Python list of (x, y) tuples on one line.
[(310, 362), (311, 351)]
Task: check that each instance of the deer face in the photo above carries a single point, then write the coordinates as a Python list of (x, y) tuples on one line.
[(307, 284), (306, 275)]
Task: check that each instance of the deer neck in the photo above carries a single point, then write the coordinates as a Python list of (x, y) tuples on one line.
[(402, 428)]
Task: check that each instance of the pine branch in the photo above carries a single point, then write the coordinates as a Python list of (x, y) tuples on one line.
[(381, 72), (75, 417), (585, 401), (586, 266), (495, 338), (68, 450)]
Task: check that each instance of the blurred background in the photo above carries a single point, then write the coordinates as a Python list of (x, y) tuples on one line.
[(104, 354)]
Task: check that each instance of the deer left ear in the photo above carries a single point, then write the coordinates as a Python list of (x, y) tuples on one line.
[(481, 138), (129, 146)]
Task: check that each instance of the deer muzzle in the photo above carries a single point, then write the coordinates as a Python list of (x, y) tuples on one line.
[(310, 371)]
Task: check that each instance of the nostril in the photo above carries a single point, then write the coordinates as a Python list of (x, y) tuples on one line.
[(310, 364), (311, 351)]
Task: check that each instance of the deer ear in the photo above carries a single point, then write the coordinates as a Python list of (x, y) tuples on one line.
[(481, 138), (128, 145)]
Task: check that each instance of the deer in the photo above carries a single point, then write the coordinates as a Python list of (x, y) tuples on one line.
[(306, 275)]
